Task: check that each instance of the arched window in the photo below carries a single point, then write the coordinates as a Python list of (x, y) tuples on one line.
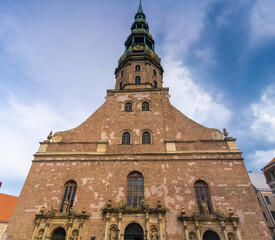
[(146, 138), (203, 196), (68, 197), (155, 84), (145, 106), (155, 72), (126, 138), (137, 68), (128, 107), (121, 85), (137, 80), (122, 73), (134, 189)]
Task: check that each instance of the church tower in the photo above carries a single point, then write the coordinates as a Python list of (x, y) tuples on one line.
[(138, 169)]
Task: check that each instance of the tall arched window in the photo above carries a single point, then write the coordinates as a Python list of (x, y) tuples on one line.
[(134, 189), (137, 68), (155, 72), (121, 85), (137, 80), (126, 138), (203, 196), (128, 107), (68, 197), (145, 106), (122, 73), (155, 84), (146, 138)]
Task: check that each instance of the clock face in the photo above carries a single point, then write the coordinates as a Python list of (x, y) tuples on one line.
[(138, 47)]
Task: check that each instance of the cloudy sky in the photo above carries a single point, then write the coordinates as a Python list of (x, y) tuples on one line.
[(57, 58)]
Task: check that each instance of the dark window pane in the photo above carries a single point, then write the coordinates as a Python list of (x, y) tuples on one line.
[(145, 106), (155, 84), (146, 138), (126, 138), (267, 200), (137, 68), (135, 189), (202, 194), (128, 107), (69, 195), (137, 80)]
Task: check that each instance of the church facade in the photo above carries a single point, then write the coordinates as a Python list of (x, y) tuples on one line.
[(138, 169)]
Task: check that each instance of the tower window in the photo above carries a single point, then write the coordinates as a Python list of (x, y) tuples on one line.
[(128, 107), (126, 138), (137, 68), (146, 138), (68, 197), (155, 84), (267, 200), (145, 106), (122, 73), (155, 72), (137, 80), (203, 196), (134, 189), (121, 85)]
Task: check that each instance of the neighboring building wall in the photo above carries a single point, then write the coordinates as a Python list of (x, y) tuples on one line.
[(267, 204), (3, 227)]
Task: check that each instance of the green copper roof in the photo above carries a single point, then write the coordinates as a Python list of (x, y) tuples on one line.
[(140, 10)]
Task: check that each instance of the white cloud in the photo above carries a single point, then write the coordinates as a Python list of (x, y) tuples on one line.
[(192, 100), (22, 127), (263, 124), (261, 158), (262, 21)]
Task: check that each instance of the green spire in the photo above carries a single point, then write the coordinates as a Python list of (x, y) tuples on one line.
[(140, 10)]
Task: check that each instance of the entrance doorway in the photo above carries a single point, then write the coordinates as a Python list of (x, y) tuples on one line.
[(133, 232), (59, 234), (210, 235)]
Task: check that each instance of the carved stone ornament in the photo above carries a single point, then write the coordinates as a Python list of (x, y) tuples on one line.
[(205, 211), (47, 222), (144, 204), (122, 207), (113, 232), (212, 228), (154, 233)]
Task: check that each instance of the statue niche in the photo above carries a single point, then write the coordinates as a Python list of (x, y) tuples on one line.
[(74, 235), (40, 234)]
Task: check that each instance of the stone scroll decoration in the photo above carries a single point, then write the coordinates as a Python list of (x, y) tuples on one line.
[(48, 222), (226, 226)]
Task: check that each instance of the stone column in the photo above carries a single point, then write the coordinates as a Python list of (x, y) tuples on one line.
[(107, 219), (69, 229), (236, 229), (119, 224), (160, 227), (80, 229), (147, 224), (198, 229), (223, 230), (36, 229), (185, 230)]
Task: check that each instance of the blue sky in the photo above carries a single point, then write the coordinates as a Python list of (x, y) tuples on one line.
[(57, 58)]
